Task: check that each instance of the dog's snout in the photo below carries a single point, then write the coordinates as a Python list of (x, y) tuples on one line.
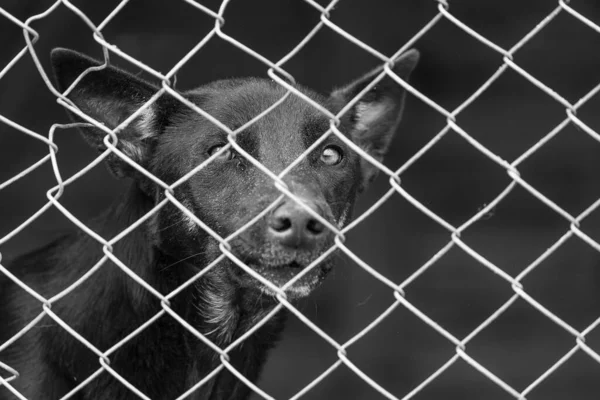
[(293, 226)]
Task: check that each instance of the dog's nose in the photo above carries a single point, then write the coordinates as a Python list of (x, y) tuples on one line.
[(293, 226)]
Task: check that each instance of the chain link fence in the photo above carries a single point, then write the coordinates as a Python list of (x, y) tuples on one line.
[(441, 10)]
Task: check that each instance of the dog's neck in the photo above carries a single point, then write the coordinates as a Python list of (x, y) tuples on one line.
[(213, 305), (222, 308)]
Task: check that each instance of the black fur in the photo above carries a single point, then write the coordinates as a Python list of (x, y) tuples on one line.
[(165, 359)]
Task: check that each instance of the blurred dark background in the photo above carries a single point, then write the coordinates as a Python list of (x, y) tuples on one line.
[(453, 179)]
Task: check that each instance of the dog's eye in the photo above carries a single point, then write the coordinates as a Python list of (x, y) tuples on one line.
[(331, 155), (225, 155)]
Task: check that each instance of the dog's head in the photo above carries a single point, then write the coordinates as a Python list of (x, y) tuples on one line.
[(169, 139)]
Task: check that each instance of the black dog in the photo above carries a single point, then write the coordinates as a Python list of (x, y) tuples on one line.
[(169, 139)]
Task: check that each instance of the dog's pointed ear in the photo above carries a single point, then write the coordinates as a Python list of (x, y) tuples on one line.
[(373, 120), (110, 96)]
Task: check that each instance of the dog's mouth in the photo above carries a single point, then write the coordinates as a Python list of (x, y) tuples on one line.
[(279, 274)]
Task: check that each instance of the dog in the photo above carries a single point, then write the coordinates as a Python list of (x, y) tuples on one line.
[(168, 139)]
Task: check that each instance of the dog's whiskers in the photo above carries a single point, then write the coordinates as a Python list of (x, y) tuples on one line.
[(200, 253)]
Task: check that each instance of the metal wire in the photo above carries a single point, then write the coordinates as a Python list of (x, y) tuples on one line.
[(441, 10)]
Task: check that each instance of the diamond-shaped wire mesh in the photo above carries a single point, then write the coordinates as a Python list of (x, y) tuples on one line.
[(456, 235)]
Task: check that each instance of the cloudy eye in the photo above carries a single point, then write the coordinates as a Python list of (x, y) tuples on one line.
[(331, 155), (225, 155)]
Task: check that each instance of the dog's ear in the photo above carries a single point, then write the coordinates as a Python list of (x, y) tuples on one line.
[(110, 96), (372, 121)]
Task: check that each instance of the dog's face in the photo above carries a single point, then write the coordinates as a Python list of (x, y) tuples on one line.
[(169, 139)]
